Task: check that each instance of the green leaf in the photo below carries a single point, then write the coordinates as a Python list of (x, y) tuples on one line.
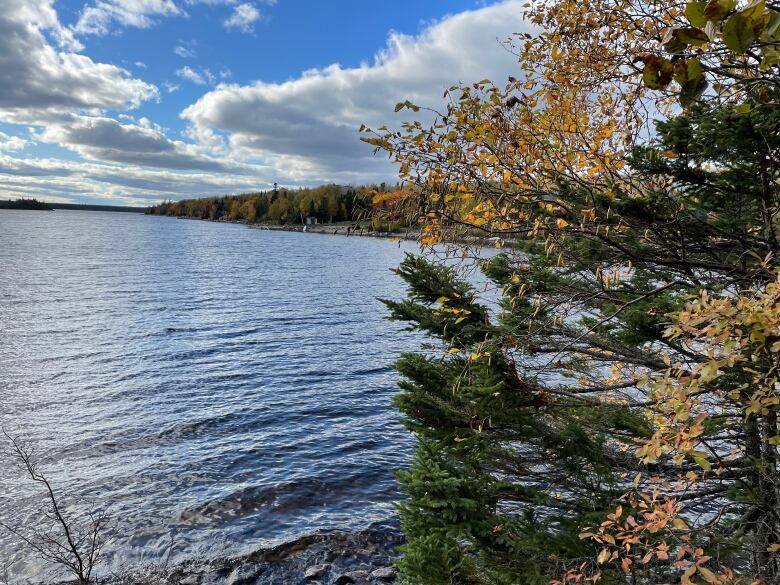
[(774, 440), (754, 10), (694, 12), (677, 40), (442, 300), (701, 460), (693, 36), (741, 109), (687, 70), (717, 9), (672, 43), (770, 56), (772, 27), (658, 72), (738, 33), (689, 74)]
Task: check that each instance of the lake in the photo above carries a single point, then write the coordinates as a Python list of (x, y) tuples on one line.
[(214, 386)]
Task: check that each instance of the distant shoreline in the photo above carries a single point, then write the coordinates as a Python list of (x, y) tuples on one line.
[(12, 205), (329, 229)]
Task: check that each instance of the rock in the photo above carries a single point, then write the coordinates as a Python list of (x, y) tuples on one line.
[(216, 577), (383, 574), (189, 580), (315, 572), (351, 577)]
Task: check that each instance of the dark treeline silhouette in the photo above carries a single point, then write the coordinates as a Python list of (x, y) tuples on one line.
[(23, 203), (95, 207), (328, 203)]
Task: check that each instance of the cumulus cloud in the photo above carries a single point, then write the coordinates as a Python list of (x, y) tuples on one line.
[(243, 18), (100, 17), (38, 82), (9, 143), (142, 144), (311, 122)]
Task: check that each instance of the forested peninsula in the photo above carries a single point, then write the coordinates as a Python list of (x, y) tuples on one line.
[(280, 206)]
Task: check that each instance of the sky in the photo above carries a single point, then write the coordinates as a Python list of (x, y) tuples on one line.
[(131, 102)]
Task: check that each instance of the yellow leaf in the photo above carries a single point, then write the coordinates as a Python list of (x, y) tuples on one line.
[(708, 575), (561, 223), (680, 524)]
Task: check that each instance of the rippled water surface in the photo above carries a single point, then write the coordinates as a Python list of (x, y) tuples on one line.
[(227, 386)]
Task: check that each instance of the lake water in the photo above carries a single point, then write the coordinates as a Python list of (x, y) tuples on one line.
[(218, 387)]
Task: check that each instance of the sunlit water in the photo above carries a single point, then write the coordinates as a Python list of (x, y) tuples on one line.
[(218, 387)]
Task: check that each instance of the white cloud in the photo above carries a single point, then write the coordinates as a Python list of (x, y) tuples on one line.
[(99, 18), (39, 82), (308, 125), (184, 52), (198, 77), (243, 18), (143, 144), (9, 143), (190, 74)]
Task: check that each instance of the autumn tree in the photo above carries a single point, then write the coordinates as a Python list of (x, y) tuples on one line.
[(616, 420)]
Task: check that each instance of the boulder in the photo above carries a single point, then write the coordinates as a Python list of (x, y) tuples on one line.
[(315, 572), (351, 577), (383, 574)]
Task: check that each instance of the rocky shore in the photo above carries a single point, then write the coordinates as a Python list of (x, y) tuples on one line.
[(331, 229), (340, 230), (325, 558)]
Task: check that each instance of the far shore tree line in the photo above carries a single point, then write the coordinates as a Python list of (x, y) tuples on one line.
[(327, 203)]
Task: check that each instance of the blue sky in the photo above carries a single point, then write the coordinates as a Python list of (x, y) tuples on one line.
[(135, 101)]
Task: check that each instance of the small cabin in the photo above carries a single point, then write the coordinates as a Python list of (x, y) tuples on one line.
[(311, 220)]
